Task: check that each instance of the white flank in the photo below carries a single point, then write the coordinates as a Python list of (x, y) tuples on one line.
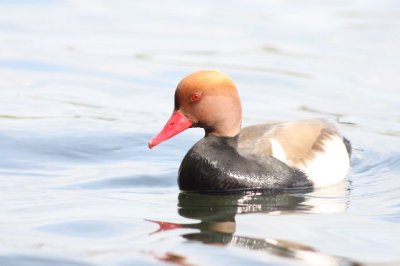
[(329, 166), (277, 150)]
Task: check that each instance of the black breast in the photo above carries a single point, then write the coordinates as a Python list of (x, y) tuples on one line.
[(213, 164)]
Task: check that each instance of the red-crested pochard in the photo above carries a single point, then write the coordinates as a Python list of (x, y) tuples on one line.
[(301, 154)]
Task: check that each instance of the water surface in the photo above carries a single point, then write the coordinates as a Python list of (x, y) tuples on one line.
[(85, 84)]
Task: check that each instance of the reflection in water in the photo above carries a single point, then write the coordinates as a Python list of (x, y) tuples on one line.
[(217, 225), (174, 258), (224, 207)]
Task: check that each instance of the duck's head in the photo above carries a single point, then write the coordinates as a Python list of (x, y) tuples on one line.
[(206, 99)]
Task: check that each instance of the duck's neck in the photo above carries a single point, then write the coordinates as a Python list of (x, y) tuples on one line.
[(229, 141), (226, 121), (224, 130)]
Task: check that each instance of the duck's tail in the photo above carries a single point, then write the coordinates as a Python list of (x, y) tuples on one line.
[(347, 143)]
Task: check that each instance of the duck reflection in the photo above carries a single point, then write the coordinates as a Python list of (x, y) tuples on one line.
[(217, 214), (217, 225)]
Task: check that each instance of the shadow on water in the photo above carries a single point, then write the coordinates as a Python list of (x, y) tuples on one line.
[(217, 225)]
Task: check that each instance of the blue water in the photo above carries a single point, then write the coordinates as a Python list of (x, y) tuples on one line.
[(85, 84)]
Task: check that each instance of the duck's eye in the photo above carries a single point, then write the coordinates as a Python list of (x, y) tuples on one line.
[(195, 97)]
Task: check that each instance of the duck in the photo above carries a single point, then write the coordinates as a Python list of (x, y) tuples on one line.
[(304, 154)]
